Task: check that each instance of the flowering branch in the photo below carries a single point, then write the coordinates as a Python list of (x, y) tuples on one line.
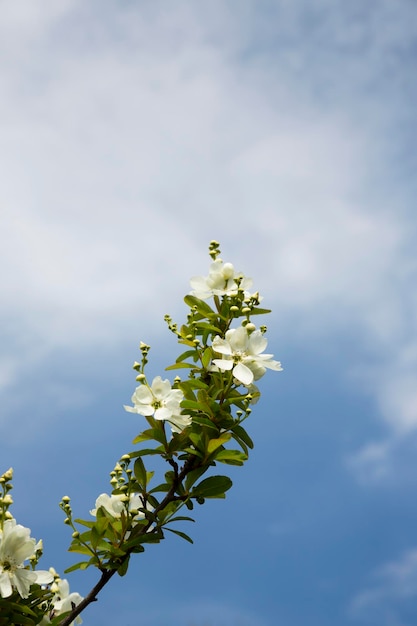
[(192, 425)]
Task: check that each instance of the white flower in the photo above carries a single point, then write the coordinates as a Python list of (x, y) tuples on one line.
[(16, 545), (116, 503), (161, 401), (222, 280), (241, 353), (63, 600)]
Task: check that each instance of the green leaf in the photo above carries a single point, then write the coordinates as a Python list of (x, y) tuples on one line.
[(201, 306), (206, 422), (188, 354), (212, 487), (180, 534), (56, 621), (146, 452), (178, 366), (85, 523), (164, 487), (208, 327), (243, 435), (82, 565), (194, 383), (192, 405), (260, 311), (231, 457), (216, 443), (193, 476), (79, 548), (151, 433), (139, 471), (206, 358), (182, 518), (124, 566), (194, 452)]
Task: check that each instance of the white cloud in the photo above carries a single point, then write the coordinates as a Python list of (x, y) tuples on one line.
[(393, 585), (132, 137)]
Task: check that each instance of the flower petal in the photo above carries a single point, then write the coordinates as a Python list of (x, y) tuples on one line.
[(160, 388), (243, 374), (257, 342), (238, 339), (221, 346), (223, 364)]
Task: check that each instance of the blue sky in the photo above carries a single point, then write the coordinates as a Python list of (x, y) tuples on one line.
[(131, 135)]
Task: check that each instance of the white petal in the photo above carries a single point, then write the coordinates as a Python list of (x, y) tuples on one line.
[(179, 422), (162, 414), (223, 364), (142, 395), (273, 365), (160, 388), (221, 346), (238, 339), (43, 577), (22, 580), (257, 342), (5, 585), (243, 374)]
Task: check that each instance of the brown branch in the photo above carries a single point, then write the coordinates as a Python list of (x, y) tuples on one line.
[(106, 575)]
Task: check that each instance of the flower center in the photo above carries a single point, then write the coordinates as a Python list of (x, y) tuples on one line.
[(7, 566)]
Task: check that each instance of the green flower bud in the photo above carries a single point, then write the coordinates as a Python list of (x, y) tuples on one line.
[(9, 474)]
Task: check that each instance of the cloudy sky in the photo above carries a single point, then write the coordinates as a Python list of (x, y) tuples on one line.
[(131, 134)]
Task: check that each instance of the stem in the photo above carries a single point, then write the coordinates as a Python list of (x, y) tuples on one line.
[(89, 598), (106, 575)]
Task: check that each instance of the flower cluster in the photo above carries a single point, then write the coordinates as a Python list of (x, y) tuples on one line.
[(63, 600), (222, 350), (16, 547), (222, 280), (241, 352), (160, 401), (116, 504)]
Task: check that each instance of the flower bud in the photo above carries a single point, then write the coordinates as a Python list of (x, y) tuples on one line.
[(9, 474), (228, 271)]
